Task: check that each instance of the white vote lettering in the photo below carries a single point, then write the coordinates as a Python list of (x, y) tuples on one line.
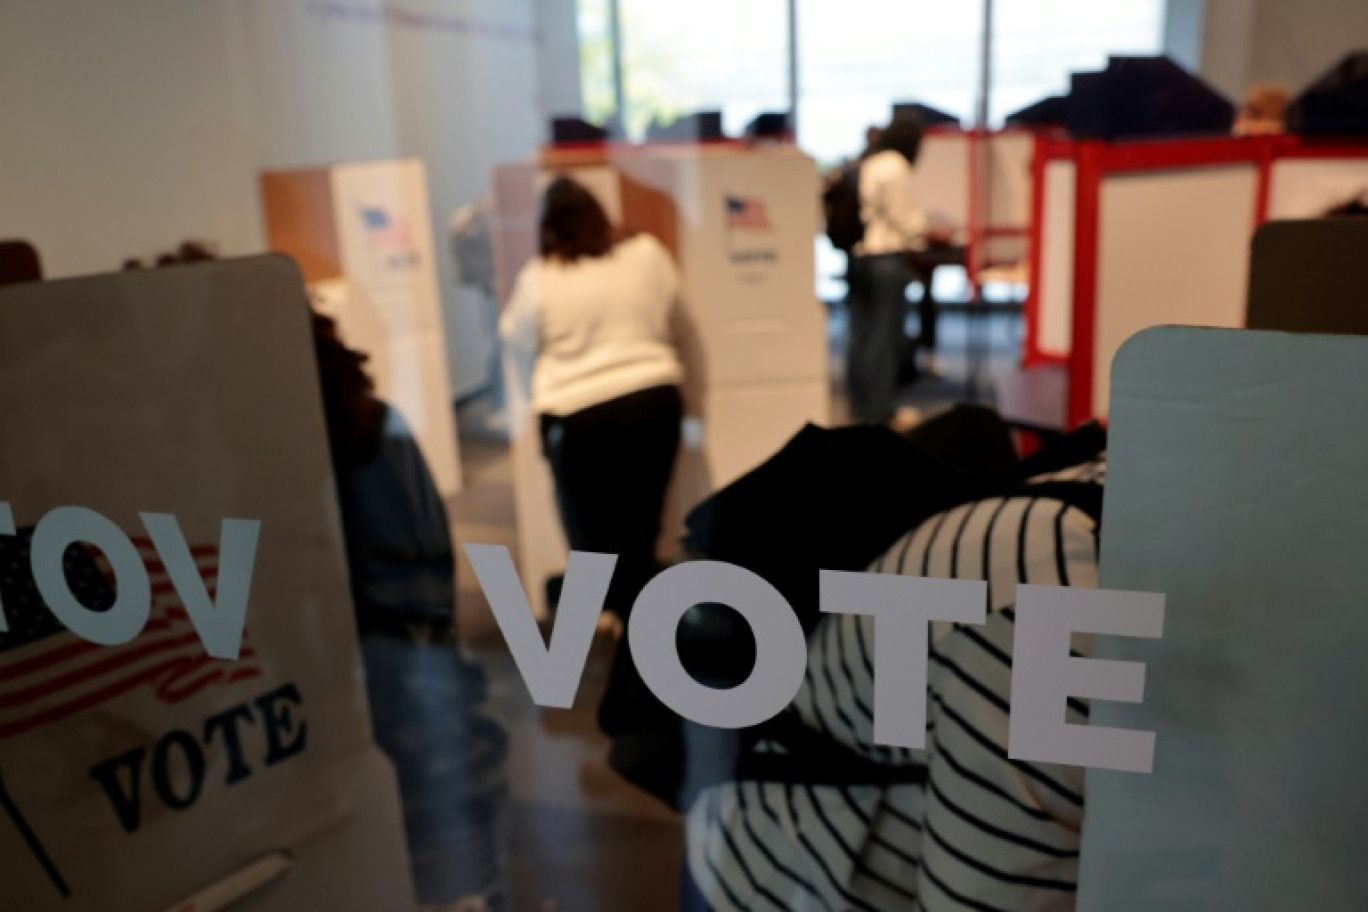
[(218, 621), (903, 607)]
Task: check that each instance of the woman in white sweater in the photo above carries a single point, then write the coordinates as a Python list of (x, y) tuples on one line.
[(598, 313), (895, 223)]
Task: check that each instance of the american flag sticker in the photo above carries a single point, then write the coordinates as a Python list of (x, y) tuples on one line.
[(747, 213), (49, 674), (384, 230)]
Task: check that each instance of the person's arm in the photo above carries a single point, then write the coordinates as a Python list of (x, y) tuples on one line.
[(900, 207)]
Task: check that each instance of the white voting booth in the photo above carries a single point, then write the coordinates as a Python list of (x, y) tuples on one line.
[(757, 361), (146, 774), (1237, 486), (362, 234)]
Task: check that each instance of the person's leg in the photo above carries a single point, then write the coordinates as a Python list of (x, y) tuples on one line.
[(653, 448), (612, 465), (858, 331), (638, 441), (567, 445), (888, 280)]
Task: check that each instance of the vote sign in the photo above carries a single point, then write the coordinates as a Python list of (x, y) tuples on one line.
[(181, 713)]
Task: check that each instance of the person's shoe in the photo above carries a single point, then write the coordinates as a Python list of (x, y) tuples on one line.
[(905, 419)]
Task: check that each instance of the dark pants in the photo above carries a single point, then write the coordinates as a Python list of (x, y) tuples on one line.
[(928, 311), (878, 309), (612, 464), (691, 899)]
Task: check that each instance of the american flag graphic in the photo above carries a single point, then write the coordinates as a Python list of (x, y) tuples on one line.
[(746, 213), (48, 673), (386, 231)]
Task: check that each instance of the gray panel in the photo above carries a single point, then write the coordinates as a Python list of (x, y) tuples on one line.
[(1238, 485)]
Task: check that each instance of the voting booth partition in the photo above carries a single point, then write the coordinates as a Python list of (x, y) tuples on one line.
[(1125, 236), (977, 185), (167, 465), (740, 222), (362, 234), (1237, 486)]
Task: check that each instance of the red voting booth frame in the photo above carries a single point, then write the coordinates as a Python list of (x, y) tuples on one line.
[(981, 224), (1094, 160)]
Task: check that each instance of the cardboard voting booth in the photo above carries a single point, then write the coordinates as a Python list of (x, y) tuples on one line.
[(146, 773), (362, 234), (740, 223), (1237, 486)]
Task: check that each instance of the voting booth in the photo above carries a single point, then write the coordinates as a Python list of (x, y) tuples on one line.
[(1237, 486), (164, 454), (362, 234), (740, 223), (977, 185), (1131, 235)]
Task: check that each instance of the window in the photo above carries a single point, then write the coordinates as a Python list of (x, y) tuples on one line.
[(677, 58), (1037, 44), (857, 57)]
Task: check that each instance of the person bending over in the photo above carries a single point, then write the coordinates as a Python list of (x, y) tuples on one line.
[(597, 312)]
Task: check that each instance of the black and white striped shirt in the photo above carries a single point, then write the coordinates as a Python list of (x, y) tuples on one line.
[(984, 832)]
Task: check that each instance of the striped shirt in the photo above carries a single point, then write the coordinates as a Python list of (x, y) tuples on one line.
[(984, 832)]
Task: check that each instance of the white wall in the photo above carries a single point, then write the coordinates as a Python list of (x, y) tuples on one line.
[(464, 101), (124, 131), (130, 126), (558, 21), (1294, 42), (1247, 41)]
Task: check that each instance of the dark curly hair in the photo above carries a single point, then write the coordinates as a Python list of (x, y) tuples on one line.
[(573, 224), (355, 416)]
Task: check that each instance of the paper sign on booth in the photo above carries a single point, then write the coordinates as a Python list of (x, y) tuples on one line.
[(163, 458)]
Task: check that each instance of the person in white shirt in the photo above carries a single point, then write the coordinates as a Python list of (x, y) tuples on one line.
[(894, 223), (599, 313)]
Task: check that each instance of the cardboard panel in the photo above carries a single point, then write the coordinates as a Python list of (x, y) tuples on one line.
[(1307, 188), (748, 423), (191, 391), (386, 298), (1055, 283), (1173, 247), (515, 224), (942, 175), (299, 221), (1238, 486), (1009, 179)]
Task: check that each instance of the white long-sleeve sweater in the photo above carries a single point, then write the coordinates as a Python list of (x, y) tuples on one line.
[(600, 327), (894, 220)]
